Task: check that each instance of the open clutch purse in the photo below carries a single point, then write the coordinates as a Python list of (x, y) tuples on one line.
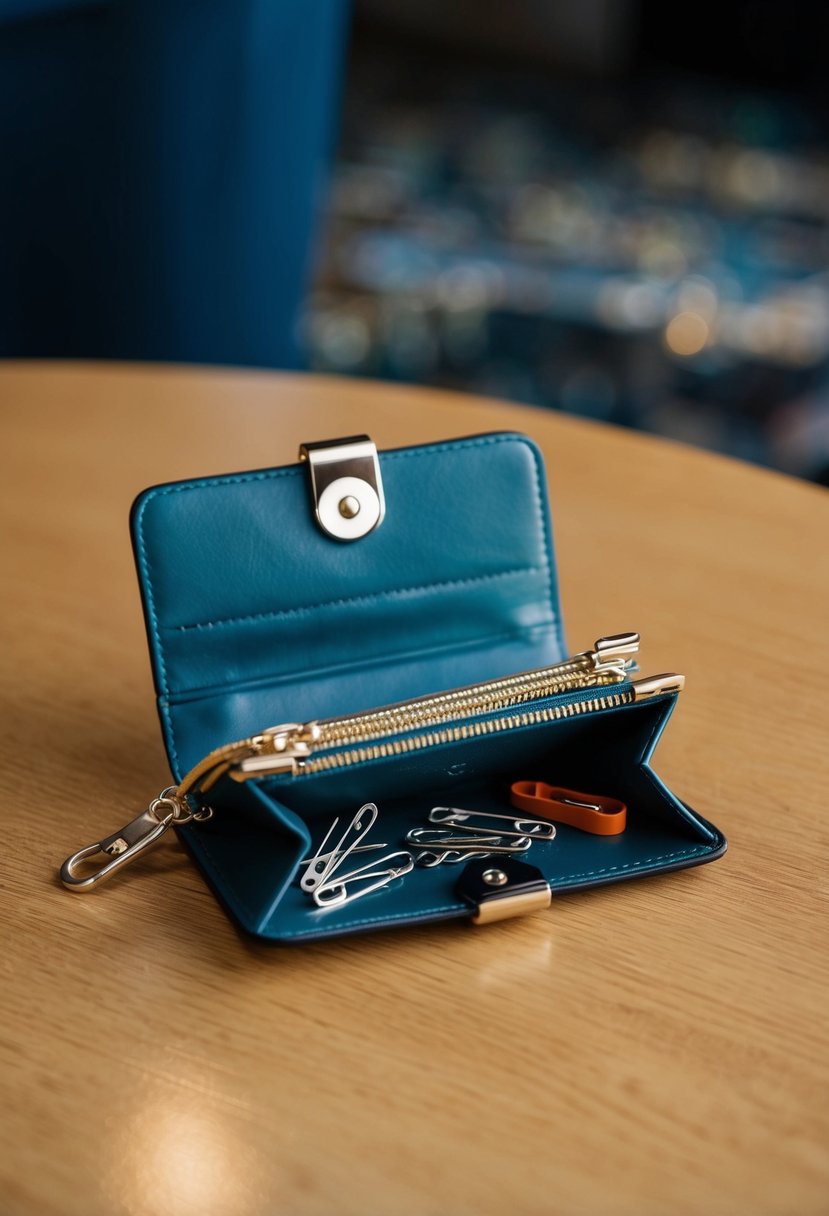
[(378, 608)]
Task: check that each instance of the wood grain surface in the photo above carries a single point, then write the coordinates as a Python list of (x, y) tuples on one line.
[(654, 1048)]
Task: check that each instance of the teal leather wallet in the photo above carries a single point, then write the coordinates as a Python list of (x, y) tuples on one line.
[(347, 582)]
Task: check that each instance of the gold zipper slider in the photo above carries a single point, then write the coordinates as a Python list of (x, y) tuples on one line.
[(278, 750), (657, 686), (611, 654)]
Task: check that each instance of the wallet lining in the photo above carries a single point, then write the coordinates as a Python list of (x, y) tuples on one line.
[(605, 753)]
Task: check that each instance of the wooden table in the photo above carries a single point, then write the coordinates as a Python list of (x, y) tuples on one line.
[(648, 1049)]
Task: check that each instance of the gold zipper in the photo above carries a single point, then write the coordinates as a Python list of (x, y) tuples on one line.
[(449, 734), (608, 663), (289, 749), (295, 748), (290, 745)]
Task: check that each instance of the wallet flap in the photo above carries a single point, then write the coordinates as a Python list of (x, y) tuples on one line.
[(255, 616)]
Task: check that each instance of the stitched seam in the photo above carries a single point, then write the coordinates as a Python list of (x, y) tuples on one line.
[(543, 521), (451, 445), (209, 483), (632, 865), (144, 563), (374, 920), (271, 680), (371, 920), (203, 483), (421, 589), (167, 716)]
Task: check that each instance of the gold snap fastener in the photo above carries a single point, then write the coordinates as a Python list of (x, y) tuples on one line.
[(495, 878), (349, 506)]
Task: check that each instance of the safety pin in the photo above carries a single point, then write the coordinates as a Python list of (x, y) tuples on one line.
[(323, 864), (437, 857), (335, 894), (539, 829), (361, 848), (445, 836)]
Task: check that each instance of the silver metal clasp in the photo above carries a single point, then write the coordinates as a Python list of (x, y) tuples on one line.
[(346, 486)]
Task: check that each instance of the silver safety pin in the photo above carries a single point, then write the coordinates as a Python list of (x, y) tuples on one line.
[(452, 856), (335, 894), (361, 848), (446, 836), (324, 864), (539, 829)]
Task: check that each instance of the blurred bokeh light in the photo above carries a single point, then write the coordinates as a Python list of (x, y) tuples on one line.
[(564, 215)]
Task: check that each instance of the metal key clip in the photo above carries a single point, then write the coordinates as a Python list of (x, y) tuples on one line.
[(136, 837)]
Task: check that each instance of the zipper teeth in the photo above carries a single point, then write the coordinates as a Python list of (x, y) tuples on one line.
[(468, 730), (483, 698)]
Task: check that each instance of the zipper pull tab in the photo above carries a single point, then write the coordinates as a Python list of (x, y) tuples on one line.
[(611, 654), (134, 839), (280, 749), (657, 686)]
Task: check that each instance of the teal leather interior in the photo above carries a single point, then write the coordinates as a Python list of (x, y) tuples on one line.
[(165, 164), (256, 617), (251, 848)]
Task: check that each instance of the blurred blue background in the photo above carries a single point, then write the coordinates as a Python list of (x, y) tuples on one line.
[(165, 163), (606, 207), (615, 209)]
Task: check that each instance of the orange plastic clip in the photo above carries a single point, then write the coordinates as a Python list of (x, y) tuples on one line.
[(588, 812)]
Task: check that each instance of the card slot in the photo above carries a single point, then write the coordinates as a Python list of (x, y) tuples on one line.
[(194, 726), (272, 681), (450, 618), (427, 590)]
